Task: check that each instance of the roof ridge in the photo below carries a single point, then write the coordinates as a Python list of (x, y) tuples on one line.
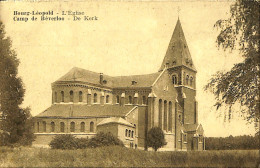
[(135, 75)]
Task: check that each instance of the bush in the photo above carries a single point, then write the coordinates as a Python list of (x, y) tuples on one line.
[(4, 139), (82, 143), (155, 138), (104, 139), (68, 141)]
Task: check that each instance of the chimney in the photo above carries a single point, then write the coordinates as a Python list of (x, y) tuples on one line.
[(134, 82), (101, 78)]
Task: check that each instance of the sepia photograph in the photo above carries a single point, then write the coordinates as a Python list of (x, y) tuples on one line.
[(137, 83)]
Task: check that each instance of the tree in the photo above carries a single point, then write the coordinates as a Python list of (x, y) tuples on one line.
[(104, 139), (16, 122), (155, 138), (240, 85)]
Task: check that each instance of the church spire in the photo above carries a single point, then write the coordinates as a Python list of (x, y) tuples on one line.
[(177, 53)]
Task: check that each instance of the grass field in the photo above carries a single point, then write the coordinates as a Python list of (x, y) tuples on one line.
[(124, 157)]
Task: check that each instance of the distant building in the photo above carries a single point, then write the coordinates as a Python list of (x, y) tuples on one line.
[(85, 102)]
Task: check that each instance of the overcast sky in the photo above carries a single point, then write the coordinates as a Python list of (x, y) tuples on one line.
[(128, 38)]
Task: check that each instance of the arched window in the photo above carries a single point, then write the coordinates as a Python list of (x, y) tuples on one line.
[(165, 116), (180, 119), (38, 126), (72, 127), (185, 137), (62, 96), (160, 113), (170, 117), (91, 126), (132, 134), (200, 138), (144, 100), (82, 127), (44, 126), (62, 127), (174, 79), (80, 96), (191, 80), (117, 99), (55, 97), (126, 132), (71, 96), (107, 99), (95, 98), (52, 126), (187, 80), (130, 100), (129, 133)]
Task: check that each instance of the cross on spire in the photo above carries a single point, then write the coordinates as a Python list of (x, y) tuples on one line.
[(178, 11)]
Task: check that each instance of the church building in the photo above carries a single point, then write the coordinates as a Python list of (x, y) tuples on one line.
[(86, 102)]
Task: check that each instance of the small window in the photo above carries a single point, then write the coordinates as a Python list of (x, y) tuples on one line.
[(82, 127), (126, 132), (62, 96), (91, 126), (191, 80), (52, 127), (80, 96), (117, 99), (180, 117), (144, 100), (55, 97), (185, 138), (44, 126), (107, 99), (71, 96), (62, 127), (132, 134), (129, 133), (130, 100), (174, 79), (187, 80), (72, 127), (95, 98)]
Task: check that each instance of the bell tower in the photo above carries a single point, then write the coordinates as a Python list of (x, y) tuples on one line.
[(182, 71), (178, 57)]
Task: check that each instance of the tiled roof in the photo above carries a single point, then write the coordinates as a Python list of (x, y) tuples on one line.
[(178, 51), (141, 80), (83, 110), (82, 75), (117, 120)]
